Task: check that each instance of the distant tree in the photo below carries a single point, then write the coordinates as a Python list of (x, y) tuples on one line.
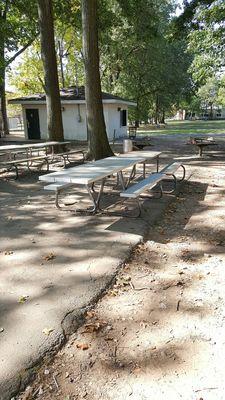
[(48, 53), (18, 29), (97, 137), (208, 95)]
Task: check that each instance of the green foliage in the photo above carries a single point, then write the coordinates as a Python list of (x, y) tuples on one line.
[(139, 57), (28, 77), (204, 22), (18, 25)]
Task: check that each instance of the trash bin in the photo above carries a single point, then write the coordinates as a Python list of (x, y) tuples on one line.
[(127, 145)]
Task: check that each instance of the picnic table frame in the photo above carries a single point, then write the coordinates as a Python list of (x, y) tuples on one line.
[(201, 143), (98, 172)]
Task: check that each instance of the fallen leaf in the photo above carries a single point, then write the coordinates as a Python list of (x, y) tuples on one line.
[(49, 257), (82, 346), (22, 299), (47, 331), (93, 327), (91, 314)]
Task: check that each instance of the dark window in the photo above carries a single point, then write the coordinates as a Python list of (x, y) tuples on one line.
[(123, 118)]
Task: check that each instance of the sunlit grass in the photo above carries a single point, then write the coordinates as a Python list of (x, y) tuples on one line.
[(188, 128)]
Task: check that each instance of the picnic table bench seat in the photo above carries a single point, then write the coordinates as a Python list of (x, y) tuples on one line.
[(136, 190), (14, 163), (170, 169), (57, 187), (66, 154)]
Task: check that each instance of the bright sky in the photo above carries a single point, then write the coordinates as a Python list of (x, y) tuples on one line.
[(180, 7)]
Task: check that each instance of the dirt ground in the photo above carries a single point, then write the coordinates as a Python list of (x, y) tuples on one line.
[(158, 333)]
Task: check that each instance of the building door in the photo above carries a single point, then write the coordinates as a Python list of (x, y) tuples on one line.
[(33, 125)]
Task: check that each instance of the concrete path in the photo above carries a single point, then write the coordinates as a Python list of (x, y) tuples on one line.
[(53, 265)]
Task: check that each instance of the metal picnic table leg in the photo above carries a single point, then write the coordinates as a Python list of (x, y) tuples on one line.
[(157, 164), (121, 179), (95, 201), (144, 170), (200, 150)]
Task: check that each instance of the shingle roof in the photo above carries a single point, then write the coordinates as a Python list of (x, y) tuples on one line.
[(71, 93)]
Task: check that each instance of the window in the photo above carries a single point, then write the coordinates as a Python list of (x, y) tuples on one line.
[(123, 118)]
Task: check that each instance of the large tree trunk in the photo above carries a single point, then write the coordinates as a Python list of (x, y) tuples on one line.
[(48, 54), (97, 137), (4, 129)]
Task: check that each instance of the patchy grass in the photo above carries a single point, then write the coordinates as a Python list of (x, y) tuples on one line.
[(188, 128)]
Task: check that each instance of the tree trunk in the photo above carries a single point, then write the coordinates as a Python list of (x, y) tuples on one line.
[(4, 129), (61, 63), (157, 110), (98, 144), (3, 118), (48, 54)]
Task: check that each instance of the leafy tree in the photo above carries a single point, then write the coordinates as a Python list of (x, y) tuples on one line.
[(28, 77), (204, 23), (208, 95), (18, 28), (139, 58)]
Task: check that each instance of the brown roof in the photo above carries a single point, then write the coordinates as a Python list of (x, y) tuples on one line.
[(71, 93)]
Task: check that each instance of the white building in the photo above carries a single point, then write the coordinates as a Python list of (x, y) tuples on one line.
[(73, 114)]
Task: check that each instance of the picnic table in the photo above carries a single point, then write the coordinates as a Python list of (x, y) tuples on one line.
[(98, 172), (9, 154), (147, 155), (13, 149), (202, 143)]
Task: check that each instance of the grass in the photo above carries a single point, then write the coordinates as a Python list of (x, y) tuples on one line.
[(188, 128)]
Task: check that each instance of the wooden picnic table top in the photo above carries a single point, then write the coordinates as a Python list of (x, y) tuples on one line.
[(12, 147), (93, 171)]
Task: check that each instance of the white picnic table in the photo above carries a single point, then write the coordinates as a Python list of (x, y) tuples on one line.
[(11, 149), (147, 155), (98, 171)]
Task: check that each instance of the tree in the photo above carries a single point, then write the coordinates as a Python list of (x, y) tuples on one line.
[(97, 137), (208, 95), (140, 59), (28, 77), (54, 114), (18, 28), (204, 23)]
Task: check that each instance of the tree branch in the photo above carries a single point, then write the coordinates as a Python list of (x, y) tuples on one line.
[(20, 51)]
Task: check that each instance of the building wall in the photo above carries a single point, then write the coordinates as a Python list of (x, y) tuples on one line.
[(74, 120), (114, 121), (204, 115)]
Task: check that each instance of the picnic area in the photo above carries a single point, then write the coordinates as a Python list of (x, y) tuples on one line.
[(112, 176), (56, 264)]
